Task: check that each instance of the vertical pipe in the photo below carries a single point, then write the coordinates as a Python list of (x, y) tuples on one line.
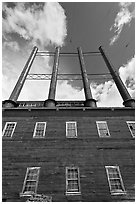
[(18, 87), (88, 95), (53, 83), (52, 90), (128, 101)]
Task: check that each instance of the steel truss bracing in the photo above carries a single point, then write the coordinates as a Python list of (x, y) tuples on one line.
[(67, 54), (106, 76)]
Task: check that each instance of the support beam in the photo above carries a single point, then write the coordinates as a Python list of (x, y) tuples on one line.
[(89, 99), (12, 102), (50, 102), (128, 101)]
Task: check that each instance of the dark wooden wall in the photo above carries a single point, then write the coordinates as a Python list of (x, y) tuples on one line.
[(54, 152)]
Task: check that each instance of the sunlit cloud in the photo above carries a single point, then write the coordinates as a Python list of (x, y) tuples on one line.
[(107, 93), (127, 73), (123, 17), (12, 45), (40, 26)]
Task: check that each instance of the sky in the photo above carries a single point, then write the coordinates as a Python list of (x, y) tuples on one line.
[(69, 25)]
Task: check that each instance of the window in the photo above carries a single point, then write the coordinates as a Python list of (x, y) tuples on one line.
[(71, 129), (115, 180), (39, 131), (131, 126), (103, 130), (9, 129), (72, 180), (31, 181)]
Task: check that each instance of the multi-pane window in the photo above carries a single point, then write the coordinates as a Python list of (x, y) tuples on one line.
[(103, 130), (9, 129), (72, 180), (31, 181), (131, 126), (71, 129), (115, 180), (39, 131)]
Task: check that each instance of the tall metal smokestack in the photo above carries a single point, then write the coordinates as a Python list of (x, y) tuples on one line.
[(18, 87), (128, 101), (52, 90), (89, 99)]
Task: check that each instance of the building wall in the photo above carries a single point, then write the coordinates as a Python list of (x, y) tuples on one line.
[(55, 152)]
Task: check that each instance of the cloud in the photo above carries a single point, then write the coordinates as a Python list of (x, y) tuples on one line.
[(127, 74), (124, 16), (107, 93), (40, 26), (39, 91), (13, 45), (66, 92)]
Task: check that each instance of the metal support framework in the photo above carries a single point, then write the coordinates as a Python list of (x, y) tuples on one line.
[(88, 95), (50, 102), (52, 90), (18, 87), (106, 76), (67, 54), (128, 101)]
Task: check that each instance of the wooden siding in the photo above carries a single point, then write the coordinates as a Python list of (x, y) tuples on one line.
[(54, 152)]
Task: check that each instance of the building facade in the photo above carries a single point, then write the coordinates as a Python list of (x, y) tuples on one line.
[(63, 151)]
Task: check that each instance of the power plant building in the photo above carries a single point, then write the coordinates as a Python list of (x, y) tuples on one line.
[(68, 151)]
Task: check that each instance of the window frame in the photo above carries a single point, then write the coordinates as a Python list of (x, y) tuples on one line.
[(98, 129), (128, 124), (4, 129), (34, 133), (115, 192), (68, 136), (78, 179), (29, 193)]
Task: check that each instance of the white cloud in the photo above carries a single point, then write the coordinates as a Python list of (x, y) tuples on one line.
[(107, 93), (13, 45), (38, 26), (7, 86), (127, 71), (124, 16), (66, 92), (127, 74), (38, 90)]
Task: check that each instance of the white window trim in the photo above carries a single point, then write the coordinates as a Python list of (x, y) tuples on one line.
[(30, 193), (75, 129), (15, 123), (34, 136), (97, 124), (122, 184), (73, 193), (129, 127)]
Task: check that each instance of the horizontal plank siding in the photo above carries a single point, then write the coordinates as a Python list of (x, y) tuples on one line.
[(55, 152)]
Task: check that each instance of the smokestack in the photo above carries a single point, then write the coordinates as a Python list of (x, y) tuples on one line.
[(18, 87), (89, 99), (128, 101), (51, 97)]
